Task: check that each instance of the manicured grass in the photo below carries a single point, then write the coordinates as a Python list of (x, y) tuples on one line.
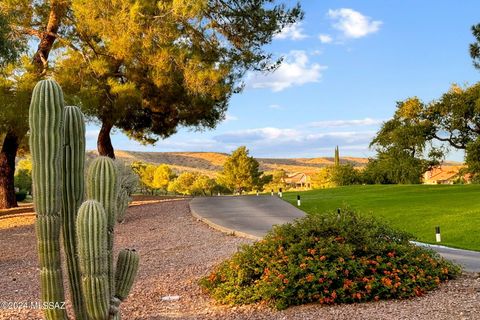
[(416, 209)]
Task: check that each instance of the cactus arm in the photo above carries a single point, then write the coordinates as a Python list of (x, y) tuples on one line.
[(46, 143), (73, 192), (125, 272), (102, 186), (93, 257)]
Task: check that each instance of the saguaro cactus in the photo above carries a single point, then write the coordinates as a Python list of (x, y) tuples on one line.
[(57, 140), (103, 187), (93, 255), (46, 146), (73, 193)]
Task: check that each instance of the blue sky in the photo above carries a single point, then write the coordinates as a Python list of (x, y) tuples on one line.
[(345, 66)]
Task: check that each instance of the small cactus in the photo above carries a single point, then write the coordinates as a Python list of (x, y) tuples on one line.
[(103, 187), (93, 257)]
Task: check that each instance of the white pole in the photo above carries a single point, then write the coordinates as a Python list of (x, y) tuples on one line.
[(298, 201), (437, 234)]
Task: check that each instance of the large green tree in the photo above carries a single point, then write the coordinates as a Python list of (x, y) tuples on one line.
[(148, 67), (22, 21), (403, 145), (241, 172)]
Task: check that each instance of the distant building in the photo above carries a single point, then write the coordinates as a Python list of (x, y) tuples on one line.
[(297, 180), (446, 175)]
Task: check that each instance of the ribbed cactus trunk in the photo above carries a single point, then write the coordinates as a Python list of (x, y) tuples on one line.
[(46, 146), (125, 272), (73, 194), (92, 239), (103, 187)]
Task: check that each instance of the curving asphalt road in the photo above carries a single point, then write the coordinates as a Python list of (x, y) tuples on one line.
[(254, 216)]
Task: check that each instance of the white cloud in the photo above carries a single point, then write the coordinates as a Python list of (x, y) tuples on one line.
[(293, 32), (275, 106), (347, 123), (352, 23), (325, 38), (288, 142), (295, 70), (268, 134), (229, 117)]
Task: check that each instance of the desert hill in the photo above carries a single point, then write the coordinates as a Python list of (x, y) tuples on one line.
[(211, 162)]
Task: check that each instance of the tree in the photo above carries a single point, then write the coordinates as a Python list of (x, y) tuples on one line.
[(475, 46), (401, 145), (162, 176), (204, 185), (183, 183), (337, 156), (148, 67), (277, 180), (336, 176), (241, 172), (21, 21)]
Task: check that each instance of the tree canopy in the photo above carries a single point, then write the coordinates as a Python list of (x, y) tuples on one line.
[(148, 67), (241, 172)]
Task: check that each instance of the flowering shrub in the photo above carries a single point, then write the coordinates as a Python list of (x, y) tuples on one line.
[(330, 258)]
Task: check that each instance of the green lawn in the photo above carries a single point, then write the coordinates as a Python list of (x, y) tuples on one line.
[(413, 208)]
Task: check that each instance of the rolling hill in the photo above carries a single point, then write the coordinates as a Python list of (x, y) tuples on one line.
[(211, 162)]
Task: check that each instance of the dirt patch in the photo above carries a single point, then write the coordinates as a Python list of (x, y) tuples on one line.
[(176, 250)]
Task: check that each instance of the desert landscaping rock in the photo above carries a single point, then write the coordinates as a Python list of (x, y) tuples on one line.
[(177, 250)]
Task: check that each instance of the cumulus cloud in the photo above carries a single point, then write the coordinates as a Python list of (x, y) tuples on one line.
[(295, 70), (347, 123), (230, 117), (352, 23), (292, 32), (325, 38)]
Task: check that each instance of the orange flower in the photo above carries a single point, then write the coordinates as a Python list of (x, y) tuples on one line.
[(303, 265), (387, 281), (391, 254), (322, 258), (310, 277), (312, 251), (285, 281)]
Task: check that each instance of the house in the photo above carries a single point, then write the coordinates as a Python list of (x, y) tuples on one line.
[(446, 175), (297, 180)]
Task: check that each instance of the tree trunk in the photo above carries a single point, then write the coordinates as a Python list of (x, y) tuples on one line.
[(58, 9), (7, 171), (104, 143)]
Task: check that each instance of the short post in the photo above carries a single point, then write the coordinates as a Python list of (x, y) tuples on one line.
[(257, 193), (298, 200), (338, 213), (437, 234), (272, 192), (280, 194)]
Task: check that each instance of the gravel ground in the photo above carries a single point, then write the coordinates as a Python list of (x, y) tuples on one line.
[(176, 250)]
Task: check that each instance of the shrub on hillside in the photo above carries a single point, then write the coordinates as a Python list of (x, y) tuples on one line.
[(330, 258)]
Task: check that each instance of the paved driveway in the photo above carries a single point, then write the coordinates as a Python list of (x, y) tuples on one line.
[(249, 216)]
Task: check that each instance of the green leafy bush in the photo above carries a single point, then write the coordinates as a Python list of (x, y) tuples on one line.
[(330, 258)]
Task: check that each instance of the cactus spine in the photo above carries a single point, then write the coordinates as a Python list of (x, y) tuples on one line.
[(93, 255), (73, 193), (46, 143)]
